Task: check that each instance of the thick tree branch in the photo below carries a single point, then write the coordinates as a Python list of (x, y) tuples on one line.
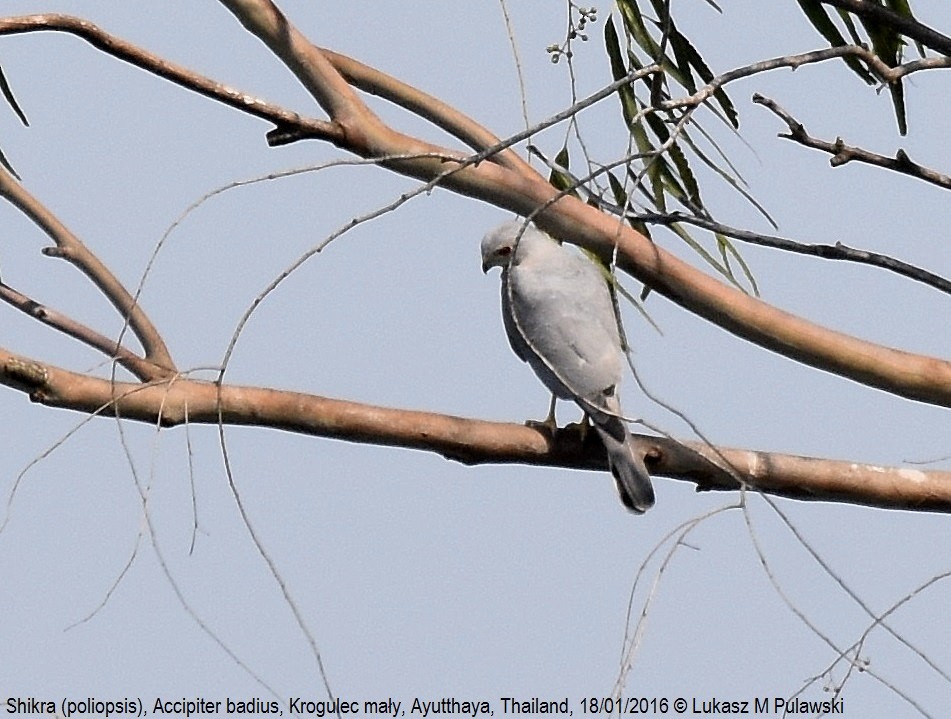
[(70, 248), (177, 400), (441, 114), (265, 21)]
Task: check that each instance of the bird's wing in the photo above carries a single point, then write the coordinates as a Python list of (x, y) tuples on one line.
[(562, 319)]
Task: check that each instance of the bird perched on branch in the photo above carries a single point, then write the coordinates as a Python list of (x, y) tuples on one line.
[(560, 318)]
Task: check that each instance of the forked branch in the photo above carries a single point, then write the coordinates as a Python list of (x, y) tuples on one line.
[(69, 247), (141, 368), (510, 184), (923, 378), (495, 174)]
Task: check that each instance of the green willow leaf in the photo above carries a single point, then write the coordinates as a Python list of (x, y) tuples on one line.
[(634, 23), (731, 177), (670, 182), (6, 163), (816, 13), (619, 70), (887, 44), (902, 7), (621, 200), (562, 180), (7, 92), (849, 23), (728, 250), (707, 257), (693, 61), (668, 175), (683, 52), (686, 176)]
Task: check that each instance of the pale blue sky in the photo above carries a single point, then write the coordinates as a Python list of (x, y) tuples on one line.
[(416, 575)]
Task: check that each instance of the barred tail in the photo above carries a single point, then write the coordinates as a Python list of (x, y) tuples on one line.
[(627, 464)]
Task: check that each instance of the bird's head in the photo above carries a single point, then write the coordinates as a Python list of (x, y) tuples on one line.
[(499, 245)]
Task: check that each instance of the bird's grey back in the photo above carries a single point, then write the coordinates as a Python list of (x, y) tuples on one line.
[(560, 317)]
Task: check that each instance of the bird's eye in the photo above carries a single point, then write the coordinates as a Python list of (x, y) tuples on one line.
[(504, 251)]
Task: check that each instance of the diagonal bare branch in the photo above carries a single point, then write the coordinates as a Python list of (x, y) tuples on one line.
[(67, 325), (71, 248), (178, 74), (838, 251)]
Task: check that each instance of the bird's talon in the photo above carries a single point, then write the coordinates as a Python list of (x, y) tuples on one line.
[(583, 427), (549, 426)]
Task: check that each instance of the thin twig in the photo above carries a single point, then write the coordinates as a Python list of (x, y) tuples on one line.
[(838, 251), (842, 153), (812, 626)]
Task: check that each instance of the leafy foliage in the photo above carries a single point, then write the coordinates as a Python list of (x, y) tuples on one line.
[(662, 172), (669, 143), (881, 36)]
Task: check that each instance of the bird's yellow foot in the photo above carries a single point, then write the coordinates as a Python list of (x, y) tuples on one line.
[(549, 424), (582, 427)]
